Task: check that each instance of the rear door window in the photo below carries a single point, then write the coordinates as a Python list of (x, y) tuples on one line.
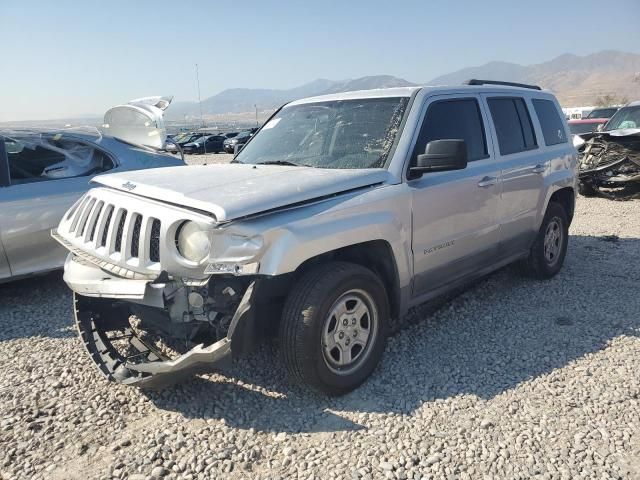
[(550, 122), (513, 124), (458, 119)]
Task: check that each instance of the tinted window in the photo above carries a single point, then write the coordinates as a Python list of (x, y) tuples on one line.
[(550, 122), (602, 113), (454, 119), (513, 125)]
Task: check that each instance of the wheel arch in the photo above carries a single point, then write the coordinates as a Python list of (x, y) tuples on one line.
[(376, 255), (567, 198)]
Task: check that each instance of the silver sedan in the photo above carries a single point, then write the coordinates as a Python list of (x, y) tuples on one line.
[(41, 175)]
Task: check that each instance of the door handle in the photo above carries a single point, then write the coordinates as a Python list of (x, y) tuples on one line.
[(487, 182), (540, 168)]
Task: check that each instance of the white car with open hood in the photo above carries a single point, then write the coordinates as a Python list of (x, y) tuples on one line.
[(339, 215)]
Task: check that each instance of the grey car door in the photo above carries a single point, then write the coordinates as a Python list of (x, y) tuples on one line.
[(33, 202), (455, 227), (28, 213), (5, 271), (523, 165)]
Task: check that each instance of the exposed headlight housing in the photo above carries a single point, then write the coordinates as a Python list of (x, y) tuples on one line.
[(193, 242), (235, 253)]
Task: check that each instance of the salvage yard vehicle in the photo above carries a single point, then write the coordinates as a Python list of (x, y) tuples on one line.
[(609, 163), (340, 214), (42, 173), (604, 112), (207, 144), (585, 125), (238, 140)]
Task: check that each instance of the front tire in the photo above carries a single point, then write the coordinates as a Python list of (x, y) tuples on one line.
[(334, 327), (547, 253)]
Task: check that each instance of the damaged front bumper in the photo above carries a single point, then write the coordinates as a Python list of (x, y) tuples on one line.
[(97, 312)]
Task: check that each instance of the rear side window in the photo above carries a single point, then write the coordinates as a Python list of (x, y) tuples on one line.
[(454, 119), (552, 127), (513, 125)]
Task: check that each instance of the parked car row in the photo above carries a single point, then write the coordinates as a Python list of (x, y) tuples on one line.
[(199, 143)]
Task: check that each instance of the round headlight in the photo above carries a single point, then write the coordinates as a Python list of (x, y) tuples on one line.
[(193, 242)]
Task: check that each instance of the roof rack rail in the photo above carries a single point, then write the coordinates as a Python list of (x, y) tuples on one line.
[(475, 81)]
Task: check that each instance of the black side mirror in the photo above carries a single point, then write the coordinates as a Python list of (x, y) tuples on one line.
[(440, 156)]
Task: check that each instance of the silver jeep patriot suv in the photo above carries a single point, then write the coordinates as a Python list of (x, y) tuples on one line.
[(340, 214)]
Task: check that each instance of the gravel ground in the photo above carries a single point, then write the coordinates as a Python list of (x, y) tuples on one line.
[(511, 379)]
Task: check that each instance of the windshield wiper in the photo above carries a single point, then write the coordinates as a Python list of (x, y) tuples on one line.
[(283, 162)]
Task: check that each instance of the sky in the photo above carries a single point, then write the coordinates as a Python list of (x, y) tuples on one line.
[(70, 58)]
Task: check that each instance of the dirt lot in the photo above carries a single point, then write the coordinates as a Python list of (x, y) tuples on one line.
[(511, 379)]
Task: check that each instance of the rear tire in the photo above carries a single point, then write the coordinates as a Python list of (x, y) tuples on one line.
[(334, 327), (547, 253)]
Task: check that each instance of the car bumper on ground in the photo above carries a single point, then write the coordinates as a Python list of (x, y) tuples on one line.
[(97, 295)]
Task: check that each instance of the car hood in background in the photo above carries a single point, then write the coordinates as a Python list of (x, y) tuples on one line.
[(237, 190)]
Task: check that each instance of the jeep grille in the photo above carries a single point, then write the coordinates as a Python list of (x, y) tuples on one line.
[(120, 231), (127, 234)]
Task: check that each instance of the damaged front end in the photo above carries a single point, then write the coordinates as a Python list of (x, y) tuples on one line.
[(147, 311), (171, 330), (609, 164)]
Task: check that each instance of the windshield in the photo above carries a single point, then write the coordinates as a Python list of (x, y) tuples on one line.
[(578, 128), (334, 134), (626, 117), (602, 113)]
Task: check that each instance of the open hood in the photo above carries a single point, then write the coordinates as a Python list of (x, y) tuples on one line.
[(237, 190), (140, 121)]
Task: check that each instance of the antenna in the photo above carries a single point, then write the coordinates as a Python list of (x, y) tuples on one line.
[(199, 100)]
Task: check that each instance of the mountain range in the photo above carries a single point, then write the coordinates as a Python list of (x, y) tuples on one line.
[(576, 80), (239, 100)]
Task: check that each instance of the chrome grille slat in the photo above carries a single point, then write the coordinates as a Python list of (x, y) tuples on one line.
[(145, 240), (104, 226), (135, 236), (78, 214), (125, 239), (112, 230), (75, 207), (82, 224), (90, 227), (154, 241), (120, 231)]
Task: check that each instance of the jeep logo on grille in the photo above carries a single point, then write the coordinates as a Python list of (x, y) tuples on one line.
[(129, 186)]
